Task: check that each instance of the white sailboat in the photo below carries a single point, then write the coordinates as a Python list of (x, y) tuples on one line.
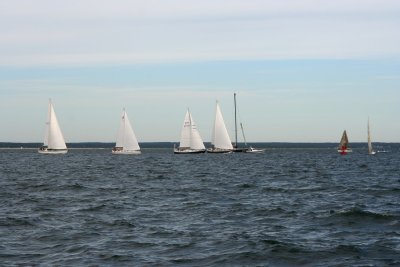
[(220, 137), (191, 142), (53, 138), (370, 150), (344, 144), (126, 139)]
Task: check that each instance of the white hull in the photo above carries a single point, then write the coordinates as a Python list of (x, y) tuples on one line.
[(189, 151), (126, 152), (54, 151), (372, 153), (254, 150)]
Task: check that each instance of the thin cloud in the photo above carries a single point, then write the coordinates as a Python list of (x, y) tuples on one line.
[(74, 33)]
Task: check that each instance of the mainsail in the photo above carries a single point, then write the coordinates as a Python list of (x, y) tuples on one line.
[(126, 138), (344, 142), (190, 142), (53, 138), (190, 136), (220, 137)]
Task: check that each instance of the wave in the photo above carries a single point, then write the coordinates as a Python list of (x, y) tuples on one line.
[(358, 213), (94, 208), (23, 221)]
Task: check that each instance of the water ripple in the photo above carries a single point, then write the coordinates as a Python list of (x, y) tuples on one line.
[(282, 208)]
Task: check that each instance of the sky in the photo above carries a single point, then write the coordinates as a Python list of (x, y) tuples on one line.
[(303, 70)]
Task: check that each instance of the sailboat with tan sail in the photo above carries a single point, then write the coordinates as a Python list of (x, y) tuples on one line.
[(344, 144)]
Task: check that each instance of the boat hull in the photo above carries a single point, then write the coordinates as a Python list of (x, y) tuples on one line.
[(126, 152), (239, 150), (219, 150), (189, 151), (254, 150), (53, 151), (345, 150)]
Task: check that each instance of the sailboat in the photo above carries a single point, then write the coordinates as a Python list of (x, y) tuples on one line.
[(247, 149), (220, 137), (370, 150), (126, 139), (53, 139), (344, 144), (191, 142)]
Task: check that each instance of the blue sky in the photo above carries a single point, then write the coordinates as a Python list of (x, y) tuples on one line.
[(303, 70)]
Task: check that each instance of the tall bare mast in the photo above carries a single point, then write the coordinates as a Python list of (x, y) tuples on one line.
[(234, 98)]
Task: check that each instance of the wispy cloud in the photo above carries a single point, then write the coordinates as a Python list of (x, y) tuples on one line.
[(92, 32)]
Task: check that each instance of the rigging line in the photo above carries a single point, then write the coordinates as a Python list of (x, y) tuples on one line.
[(244, 137), (241, 125)]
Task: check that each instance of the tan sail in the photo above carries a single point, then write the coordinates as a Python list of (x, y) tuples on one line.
[(344, 144)]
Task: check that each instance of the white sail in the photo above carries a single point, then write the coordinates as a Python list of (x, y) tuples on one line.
[(186, 132), (53, 138), (220, 137), (191, 141), (196, 142), (370, 150), (126, 138)]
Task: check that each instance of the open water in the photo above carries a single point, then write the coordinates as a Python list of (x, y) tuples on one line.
[(287, 207)]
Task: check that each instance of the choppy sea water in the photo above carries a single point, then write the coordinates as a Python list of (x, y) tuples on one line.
[(287, 207)]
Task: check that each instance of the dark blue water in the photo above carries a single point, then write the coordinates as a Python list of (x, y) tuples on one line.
[(287, 207)]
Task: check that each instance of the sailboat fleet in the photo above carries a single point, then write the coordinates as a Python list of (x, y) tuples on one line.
[(190, 141)]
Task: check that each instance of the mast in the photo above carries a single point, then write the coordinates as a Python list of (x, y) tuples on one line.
[(369, 139), (234, 98)]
